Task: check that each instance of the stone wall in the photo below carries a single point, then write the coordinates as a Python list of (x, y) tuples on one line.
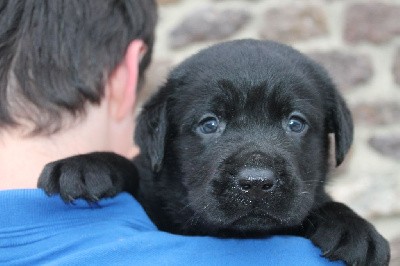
[(359, 44)]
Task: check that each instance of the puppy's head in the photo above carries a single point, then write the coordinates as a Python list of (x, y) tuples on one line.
[(238, 139)]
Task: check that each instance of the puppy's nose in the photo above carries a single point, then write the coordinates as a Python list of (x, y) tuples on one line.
[(256, 180)]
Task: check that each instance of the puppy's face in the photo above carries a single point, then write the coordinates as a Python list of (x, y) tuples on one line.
[(250, 158), (244, 129)]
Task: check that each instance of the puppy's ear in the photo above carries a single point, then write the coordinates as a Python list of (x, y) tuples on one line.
[(150, 132), (341, 124)]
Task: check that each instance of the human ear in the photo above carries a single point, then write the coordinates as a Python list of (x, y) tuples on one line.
[(122, 83)]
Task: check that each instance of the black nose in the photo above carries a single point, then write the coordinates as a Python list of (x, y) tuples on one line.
[(256, 180)]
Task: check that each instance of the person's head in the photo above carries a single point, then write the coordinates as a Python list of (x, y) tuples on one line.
[(57, 57)]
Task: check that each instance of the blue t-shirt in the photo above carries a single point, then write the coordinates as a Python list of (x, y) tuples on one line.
[(38, 230)]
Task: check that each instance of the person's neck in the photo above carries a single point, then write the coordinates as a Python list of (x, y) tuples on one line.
[(23, 158)]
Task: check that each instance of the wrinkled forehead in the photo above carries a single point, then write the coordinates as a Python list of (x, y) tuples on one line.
[(247, 77), (275, 95)]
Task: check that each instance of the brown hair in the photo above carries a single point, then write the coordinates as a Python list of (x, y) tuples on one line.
[(55, 55)]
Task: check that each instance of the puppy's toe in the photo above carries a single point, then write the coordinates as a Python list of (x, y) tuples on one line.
[(71, 184), (99, 185), (49, 179)]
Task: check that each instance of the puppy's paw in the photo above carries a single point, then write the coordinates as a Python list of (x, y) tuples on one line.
[(343, 235), (90, 176)]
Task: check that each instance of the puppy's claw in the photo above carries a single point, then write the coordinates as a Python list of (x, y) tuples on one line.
[(69, 200)]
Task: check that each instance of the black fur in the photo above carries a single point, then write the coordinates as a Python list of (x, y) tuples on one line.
[(254, 175)]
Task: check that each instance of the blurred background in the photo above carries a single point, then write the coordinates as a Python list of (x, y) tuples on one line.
[(358, 42)]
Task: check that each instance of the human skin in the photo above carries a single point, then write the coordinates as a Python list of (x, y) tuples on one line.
[(108, 126)]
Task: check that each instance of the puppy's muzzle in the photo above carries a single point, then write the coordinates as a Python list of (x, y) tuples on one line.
[(254, 176), (256, 182)]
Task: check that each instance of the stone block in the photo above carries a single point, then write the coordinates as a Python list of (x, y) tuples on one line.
[(377, 113), (386, 145), (396, 66), (208, 24), (347, 70), (293, 23), (372, 22)]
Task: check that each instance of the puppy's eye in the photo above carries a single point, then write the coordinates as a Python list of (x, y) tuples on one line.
[(209, 125), (296, 124)]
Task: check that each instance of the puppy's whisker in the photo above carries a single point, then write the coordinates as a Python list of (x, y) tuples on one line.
[(318, 214), (196, 217), (315, 180), (311, 223), (302, 99), (189, 206)]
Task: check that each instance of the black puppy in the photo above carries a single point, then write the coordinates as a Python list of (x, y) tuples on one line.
[(236, 145)]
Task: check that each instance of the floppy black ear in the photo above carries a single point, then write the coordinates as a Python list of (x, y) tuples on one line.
[(341, 124), (150, 132)]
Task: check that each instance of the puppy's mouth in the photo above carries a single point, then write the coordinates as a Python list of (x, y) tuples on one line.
[(256, 222), (254, 191), (255, 216)]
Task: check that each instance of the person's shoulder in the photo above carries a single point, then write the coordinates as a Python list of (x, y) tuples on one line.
[(117, 231), (160, 248)]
